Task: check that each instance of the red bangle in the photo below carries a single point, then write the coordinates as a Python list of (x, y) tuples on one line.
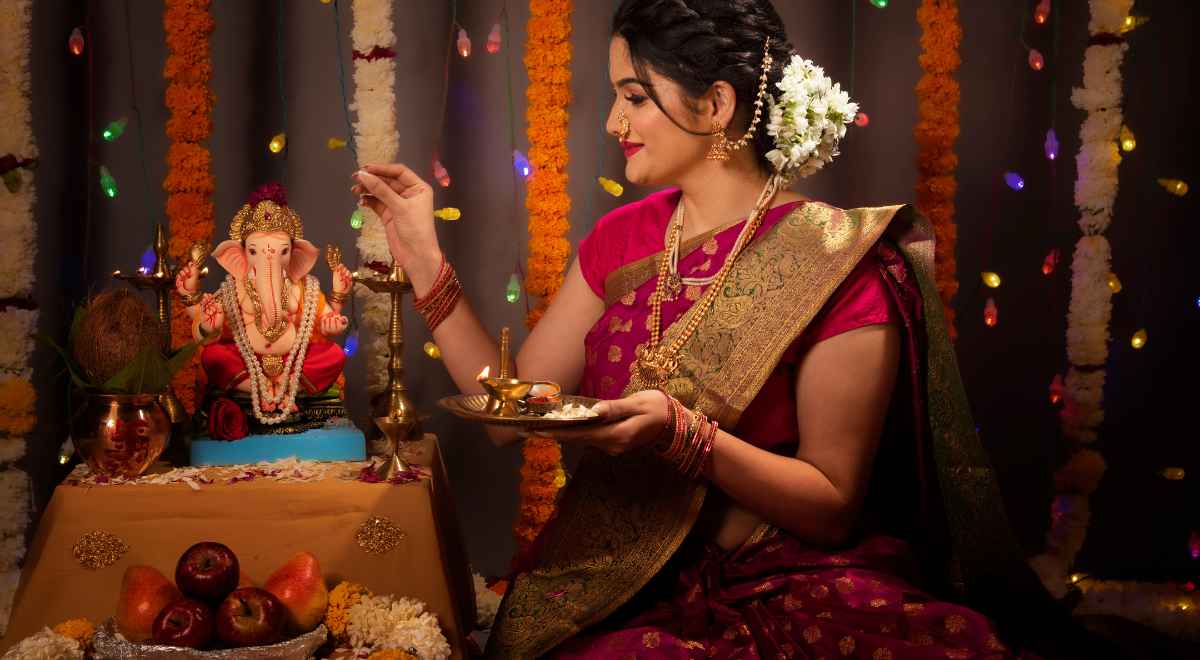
[(445, 273), (441, 299)]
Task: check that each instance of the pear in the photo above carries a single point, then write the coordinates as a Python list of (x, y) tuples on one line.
[(144, 593), (299, 585)]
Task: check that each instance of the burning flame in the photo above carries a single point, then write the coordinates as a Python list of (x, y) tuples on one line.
[(483, 375)]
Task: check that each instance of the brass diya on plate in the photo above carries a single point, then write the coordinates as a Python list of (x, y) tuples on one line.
[(510, 401)]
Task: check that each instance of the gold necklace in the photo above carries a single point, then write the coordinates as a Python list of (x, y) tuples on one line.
[(273, 333), (655, 363)]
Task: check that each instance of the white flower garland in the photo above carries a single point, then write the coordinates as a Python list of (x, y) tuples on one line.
[(384, 622), (17, 253), (45, 645), (1091, 299), (294, 363), (807, 119), (376, 140), (487, 602)]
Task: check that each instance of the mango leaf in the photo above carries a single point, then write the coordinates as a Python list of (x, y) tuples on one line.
[(146, 373), (180, 358), (76, 321), (76, 373)]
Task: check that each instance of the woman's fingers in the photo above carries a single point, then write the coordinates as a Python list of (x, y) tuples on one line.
[(377, 206), (403, 175)]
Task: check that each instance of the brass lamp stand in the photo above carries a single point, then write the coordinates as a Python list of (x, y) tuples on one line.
[(401, 421), (161, 279)]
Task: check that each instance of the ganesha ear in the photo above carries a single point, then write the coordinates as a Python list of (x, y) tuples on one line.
[(232, 257), (304, 255)]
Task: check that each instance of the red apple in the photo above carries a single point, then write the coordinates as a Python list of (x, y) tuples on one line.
[(144, 593), (185, 622), (299, 585), (207, 571), (250, 617)]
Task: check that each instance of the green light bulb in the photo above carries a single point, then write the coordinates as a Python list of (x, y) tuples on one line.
[(513, 293), (107, 183), (114, 130), (356, 219), (882, 4)]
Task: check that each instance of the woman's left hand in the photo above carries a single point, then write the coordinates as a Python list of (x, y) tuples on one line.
[(632, 422)]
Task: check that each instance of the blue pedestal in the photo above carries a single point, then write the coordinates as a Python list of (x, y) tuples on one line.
[(330, 443)]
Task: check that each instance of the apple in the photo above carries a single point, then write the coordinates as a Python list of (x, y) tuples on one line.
[(299, 585), (250, 617), (207, 571), (144, 593), (185, 622)]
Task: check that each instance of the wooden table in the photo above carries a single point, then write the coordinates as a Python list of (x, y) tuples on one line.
[(264, 521)]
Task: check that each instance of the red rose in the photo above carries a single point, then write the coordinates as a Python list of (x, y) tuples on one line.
[(226, 421)]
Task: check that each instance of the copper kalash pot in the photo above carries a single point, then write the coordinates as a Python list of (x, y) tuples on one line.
[(120, 435)]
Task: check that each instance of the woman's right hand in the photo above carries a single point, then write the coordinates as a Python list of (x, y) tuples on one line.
[(404, 203)]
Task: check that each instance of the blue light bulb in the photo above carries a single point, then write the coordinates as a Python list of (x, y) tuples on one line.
[(147, 260), (1014, 180), (521, 163)]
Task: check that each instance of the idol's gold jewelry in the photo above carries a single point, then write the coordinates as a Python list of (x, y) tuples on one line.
[(338, 297), (191, 299)]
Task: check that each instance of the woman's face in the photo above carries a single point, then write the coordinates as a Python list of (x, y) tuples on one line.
[(657, 152)]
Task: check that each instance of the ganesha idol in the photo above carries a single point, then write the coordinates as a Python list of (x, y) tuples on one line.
[(273, 369)]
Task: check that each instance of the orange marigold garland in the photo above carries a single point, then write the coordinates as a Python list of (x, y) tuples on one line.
[(548, 63), (936, 132), (189, 183)]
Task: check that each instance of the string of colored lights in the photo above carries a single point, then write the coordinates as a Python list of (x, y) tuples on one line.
[(518, 269), (337, 33), (279, 65)]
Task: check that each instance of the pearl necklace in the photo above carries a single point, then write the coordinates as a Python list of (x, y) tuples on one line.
[(295, 359), (673, 237)]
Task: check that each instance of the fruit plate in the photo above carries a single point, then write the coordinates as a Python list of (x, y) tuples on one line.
[(110, 645), (471, 407)]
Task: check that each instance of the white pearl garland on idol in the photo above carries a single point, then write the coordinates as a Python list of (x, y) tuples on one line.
[(295, 358)]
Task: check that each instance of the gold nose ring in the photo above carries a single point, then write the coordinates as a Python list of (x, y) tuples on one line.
[(623, 122)]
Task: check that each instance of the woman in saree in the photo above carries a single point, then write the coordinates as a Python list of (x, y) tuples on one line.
[(786, 465)]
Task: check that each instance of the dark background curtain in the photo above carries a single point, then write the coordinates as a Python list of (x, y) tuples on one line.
[(1141, 521)]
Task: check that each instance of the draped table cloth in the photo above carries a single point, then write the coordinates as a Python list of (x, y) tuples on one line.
[(265, 514)]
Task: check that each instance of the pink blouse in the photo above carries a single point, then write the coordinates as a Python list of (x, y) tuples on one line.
[(636, 230)]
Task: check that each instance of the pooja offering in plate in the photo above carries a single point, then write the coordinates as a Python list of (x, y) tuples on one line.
[(529, 404), (569, 411)]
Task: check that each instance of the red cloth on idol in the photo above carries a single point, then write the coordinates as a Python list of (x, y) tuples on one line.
[(323, 363)]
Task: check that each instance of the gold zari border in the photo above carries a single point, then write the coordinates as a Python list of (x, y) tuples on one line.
[(621, 518)]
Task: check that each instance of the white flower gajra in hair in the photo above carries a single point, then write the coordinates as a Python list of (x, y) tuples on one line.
[(808, 118)]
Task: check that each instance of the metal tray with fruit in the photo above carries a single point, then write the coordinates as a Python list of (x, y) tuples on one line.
[(109, 644)]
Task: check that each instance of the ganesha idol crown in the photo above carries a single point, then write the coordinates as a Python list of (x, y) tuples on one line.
[(266, 211)]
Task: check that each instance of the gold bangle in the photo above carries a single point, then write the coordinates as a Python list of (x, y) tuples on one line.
[(338, 298), (191, 299)]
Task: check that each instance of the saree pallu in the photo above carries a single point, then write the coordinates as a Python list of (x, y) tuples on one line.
[(622, 519)]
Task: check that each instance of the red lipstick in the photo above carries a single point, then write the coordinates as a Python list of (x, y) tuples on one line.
[(630, 148)]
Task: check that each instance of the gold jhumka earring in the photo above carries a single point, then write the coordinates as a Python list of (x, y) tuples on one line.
[(722, 148), (623, 123), (719, 151)]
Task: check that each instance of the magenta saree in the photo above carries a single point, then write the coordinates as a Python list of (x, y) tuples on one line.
[(622, 572)]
